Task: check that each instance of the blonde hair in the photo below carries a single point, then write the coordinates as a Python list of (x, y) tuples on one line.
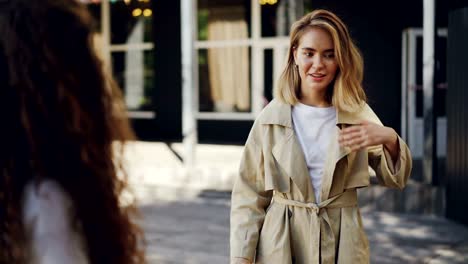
[(347, 93)]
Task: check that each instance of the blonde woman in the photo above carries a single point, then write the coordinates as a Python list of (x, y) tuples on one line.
[(295, 199)]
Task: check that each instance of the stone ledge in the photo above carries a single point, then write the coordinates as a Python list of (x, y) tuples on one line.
[(415, 198)]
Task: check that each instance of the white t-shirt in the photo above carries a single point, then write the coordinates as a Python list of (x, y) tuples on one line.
[(314, 127), (47, 212)]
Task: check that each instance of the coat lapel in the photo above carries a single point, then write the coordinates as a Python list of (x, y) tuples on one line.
[(286, 150), (336, 152), (290, 158)]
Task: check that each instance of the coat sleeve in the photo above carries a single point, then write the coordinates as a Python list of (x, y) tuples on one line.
[(248, 203), (389, 173)]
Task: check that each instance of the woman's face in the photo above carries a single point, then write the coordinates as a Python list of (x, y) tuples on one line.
[(315, 60)]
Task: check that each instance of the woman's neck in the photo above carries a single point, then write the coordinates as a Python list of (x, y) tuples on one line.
[(314, 99)]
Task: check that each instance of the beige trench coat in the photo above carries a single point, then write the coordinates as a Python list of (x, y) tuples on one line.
[(274, 215)]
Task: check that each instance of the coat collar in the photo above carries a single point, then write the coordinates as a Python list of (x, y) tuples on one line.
[(279, 113), (288, 152)]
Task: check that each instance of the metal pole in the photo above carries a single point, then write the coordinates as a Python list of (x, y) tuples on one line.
[(411, 131), (189, 124), (430, 157), (404, 84)]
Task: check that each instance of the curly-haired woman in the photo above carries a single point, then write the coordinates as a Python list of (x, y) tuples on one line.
[(60, 180)]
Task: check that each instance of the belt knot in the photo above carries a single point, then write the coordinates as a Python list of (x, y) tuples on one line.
[(314, 207)]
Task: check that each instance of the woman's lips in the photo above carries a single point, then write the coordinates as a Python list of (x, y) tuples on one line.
[(317, 77)]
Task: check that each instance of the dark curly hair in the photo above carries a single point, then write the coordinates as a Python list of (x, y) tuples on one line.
[(63, 119)]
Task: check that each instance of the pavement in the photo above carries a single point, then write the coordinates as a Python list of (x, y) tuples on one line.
[(185, 212)]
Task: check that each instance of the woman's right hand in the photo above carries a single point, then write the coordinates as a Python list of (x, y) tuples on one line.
[(241, 261)]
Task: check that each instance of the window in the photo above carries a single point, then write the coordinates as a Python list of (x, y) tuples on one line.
[(240, 55), (125, 33)]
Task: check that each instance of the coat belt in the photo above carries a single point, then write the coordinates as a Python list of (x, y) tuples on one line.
[(323, 242)]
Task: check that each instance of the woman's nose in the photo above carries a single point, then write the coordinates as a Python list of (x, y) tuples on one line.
[(317, 62)]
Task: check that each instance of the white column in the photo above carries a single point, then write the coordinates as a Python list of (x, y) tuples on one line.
[(430, 159), (134, 69), (257, 58), (106, 31), (281, 28), (189, 124)]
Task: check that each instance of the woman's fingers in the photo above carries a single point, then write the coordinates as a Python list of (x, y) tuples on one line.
[(351, 129), (363, 135), (354, 137)]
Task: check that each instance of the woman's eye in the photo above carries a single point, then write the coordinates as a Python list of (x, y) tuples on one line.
[(330, 55), (309, 54)]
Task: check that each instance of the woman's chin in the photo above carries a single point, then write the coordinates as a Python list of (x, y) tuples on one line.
[(316, 87)]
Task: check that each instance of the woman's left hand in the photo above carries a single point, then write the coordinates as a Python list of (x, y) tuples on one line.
[(368, 134)]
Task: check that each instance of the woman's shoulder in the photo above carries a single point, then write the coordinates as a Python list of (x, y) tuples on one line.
[(46, 204), (367, 113), (43, 192), (44, 187), (47, 218), (275, 112), (364, 112)]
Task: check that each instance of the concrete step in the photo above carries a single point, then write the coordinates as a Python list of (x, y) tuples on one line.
[(415, 198)]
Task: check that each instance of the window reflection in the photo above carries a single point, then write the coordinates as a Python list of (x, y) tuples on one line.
[(128, 17), (134, 72)]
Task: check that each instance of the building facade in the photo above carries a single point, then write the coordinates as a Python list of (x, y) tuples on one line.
[(239, 49)]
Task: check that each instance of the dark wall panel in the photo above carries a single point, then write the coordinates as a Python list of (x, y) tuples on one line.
[(167, 125), (223, 132), (457, 116)]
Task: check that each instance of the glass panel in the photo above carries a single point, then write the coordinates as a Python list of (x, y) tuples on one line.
[(273, 18), (227, 16), (95, 10), (278, 16), (134, 72), (204, 90), (307, 6), (131, 21), (419, 78), (224, 79), (440, 75), (202, 24), (268, 75)]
